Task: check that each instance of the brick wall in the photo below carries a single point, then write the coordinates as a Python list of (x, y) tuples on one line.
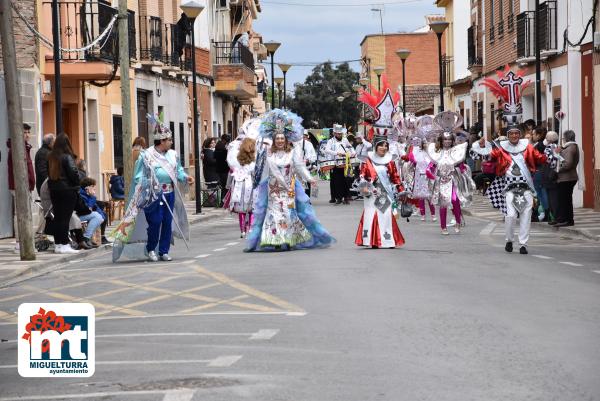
[(203, 65), (501, 49), (25, 42)]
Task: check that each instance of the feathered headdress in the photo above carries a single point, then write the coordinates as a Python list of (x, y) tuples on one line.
[(509, 90), (447, 124), (380, 111), (161, 131), (284, 122), (406, 127)]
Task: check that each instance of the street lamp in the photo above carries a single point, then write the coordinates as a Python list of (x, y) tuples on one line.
[(341, 100), (192, 9), (271, 49), (439, 27), (403, 54), (364, 81), (284, 68), (380, 11), (279, 81), (379, 71)]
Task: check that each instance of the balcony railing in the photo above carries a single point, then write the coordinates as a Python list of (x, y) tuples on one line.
[(226, 53), (82, 23), (178, 46), (447, 70), (473, 57), (500, 28), (492, 34), (548, 38), (151, 39), (510, 23)]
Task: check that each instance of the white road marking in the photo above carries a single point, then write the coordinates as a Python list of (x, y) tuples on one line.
[(224, 361), (488, 229), (295, 314), (264, 334), (231, 243), (116, 394), (203, 256), (179, 395), (571, 264), (542, 257), (596, 271), (153, 362), (219, 249)]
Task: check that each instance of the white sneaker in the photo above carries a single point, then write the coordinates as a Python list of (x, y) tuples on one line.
[(68, 249), (58, 248), (422, 218), (152, 257), (452, 223), (434, 218), (457, 229), (445, 232)]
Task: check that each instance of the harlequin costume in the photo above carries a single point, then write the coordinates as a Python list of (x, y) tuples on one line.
[(380, 183), (513, 190), (156, 193)]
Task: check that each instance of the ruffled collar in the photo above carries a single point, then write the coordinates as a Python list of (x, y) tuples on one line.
[(385, 159), (514, 149)]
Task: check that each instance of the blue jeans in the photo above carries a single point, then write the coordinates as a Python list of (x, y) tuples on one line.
[(94, 221), (541, 191), (159, 224)]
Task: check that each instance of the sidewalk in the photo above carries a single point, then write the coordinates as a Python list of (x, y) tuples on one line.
[(587, 221), (12, 267)]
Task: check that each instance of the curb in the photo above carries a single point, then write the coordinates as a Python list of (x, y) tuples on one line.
[(576, 232), (37, 270)]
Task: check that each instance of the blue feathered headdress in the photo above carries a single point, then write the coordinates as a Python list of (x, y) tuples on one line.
[(161, 131), (284, 122)]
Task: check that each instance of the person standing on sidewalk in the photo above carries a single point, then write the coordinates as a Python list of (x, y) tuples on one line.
[(30, 173), (63, 182), (567, 178), (539, 135), (550, 176), (156, 174), (41, 160)]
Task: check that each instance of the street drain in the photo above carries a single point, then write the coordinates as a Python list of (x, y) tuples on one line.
[(191, 383)]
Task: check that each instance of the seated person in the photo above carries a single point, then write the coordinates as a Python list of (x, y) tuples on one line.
[(90, 211), (117, 185)]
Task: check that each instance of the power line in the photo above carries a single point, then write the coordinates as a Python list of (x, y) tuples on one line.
[(316, 63), (389, 3)]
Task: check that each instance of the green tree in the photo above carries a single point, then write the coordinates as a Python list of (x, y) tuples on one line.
[(316, 99)]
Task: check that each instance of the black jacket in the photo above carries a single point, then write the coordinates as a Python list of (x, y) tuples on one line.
[(209, 165), (221, 158), (69, 176), (41, 166)]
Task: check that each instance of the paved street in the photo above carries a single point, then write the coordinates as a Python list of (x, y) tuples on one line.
[(444, 318)]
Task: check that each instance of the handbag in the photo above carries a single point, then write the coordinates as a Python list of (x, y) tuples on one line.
[(406, 210)]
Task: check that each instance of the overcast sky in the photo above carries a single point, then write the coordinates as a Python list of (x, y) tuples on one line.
[(309, 33)]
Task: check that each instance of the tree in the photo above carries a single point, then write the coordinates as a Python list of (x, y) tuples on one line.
[(316, 99)]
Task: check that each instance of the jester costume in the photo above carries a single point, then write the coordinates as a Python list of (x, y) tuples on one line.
[(156, 194), (283, 216)]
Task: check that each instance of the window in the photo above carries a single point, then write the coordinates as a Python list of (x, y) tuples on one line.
[(492, 26), (181, 145), (493, 120), (511, 15), (556, 109), (500, 18), (172, 128)]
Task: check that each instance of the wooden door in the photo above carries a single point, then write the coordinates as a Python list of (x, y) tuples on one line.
[(587, 133), (142, 111)]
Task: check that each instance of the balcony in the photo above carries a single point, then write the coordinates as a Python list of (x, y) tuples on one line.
[(547, 39), (510, 23), (177, 49), (500, 28), (151, 41), (81, 25), (447, 70), (234, 71), (474, 59)]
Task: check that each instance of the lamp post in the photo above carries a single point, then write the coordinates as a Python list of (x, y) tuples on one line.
[(341, 100), (380, 11), (364, 82), (284, 68), (538, 67), (271, 49), (192, 9), (279, 81), (379, 71), (403, 54), (439, 27)]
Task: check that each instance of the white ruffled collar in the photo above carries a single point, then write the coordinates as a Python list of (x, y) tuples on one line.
[(514, 149), (385, 159)]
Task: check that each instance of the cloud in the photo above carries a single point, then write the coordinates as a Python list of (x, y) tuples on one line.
[(317, 34)]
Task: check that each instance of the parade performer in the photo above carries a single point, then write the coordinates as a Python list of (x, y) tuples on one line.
[(379, 181), (155, 192), (241, 191), (340, 151), (516, 159), (452, 186), (415, 171), (283, 216), (307, 152)]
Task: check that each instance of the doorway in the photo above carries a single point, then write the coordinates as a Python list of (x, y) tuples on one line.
[(142, 111), (117, 141), (587, 126)]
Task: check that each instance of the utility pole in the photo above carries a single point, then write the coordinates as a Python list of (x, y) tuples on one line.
[(538, 67), (57, 78), (125, 92), (15, 125)]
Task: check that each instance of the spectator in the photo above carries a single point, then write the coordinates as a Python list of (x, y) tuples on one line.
[(528, 127), (139, 144), (91, 212), (117, 185), (209, 163), (567, 178), (549, 176), (539, 134), (63, 182), (222, 167), (41, 161), (74, 222), (81, 168)]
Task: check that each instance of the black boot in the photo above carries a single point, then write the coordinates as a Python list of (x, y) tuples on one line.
[(508, 247), (523, 250)]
